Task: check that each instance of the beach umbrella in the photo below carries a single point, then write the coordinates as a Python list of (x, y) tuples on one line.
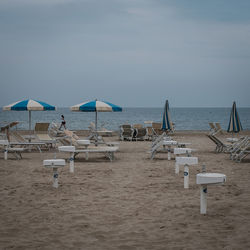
[(234, 125), (29, 105), (96, 106), (166, 123)]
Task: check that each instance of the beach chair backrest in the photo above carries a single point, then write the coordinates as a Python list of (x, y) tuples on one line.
[(212, 126), (124, 126), (137, 126), (42, 126), (150, 131), (17, 136), (156, 125)]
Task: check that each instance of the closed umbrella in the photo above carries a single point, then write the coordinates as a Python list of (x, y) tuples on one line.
[(234, 125), (29, 105), (167, 123), (96, 106)]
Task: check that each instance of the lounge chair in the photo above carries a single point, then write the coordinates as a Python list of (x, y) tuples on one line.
[(6, 128), (69, 138), (21, 141), (42, 134), (55, 131), (108, 151), (101, 132), (220, 145), (140, 134), (7, 148), (218, 128), (243, 152), (126, 132), (137, 126), (150, 133), (240, 149), (72, 139), (212, 127), (105, 132), (164, 143), (157, 128)]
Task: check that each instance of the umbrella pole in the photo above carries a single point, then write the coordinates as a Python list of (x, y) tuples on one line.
[(96, 136), (30, 125)]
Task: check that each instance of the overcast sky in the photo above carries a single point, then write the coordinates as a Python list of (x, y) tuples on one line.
[(133, 53)]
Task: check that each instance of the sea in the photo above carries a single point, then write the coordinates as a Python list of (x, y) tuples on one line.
[(184, 118)]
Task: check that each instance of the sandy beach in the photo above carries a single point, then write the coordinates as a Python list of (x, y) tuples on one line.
[(130, 203)]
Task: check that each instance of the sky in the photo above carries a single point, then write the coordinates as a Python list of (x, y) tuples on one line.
[(133, 53)]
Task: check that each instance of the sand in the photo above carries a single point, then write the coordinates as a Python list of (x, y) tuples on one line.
[(130, 203)]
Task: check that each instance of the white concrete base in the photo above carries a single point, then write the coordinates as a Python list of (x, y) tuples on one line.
[(203, 199), (54, 164), (205, 179), (210, 178), (186, 161), (71, 150), (186, 176)]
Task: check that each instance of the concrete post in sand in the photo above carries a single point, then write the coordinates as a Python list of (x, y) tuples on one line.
[(54, 164), (71, 150), (186, 161), (180, 151), (205, 179)]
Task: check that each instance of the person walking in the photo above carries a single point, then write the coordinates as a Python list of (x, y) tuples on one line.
[(63, 123)]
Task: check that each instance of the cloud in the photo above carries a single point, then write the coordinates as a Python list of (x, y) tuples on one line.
[(14, 3), (120, 46)]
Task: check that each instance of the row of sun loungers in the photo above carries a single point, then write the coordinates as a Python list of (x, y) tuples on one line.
[(85, 145), (138, 132), (215, 128), (165, 143), (238, 149)]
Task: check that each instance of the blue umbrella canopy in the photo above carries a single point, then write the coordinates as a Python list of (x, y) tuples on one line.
[(96, 106), (166, 122), (234, 125), (30, 105)]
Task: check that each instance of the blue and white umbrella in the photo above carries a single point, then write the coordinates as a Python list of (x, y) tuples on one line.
[(29, 105), (96, 106), (234, 125), (166, 123)]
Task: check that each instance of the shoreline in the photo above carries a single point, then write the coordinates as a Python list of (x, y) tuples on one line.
[(85, 132)]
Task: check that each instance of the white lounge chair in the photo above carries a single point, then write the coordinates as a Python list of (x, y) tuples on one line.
[(21, 141), (164, 144), (7, 148), (241, 149)]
